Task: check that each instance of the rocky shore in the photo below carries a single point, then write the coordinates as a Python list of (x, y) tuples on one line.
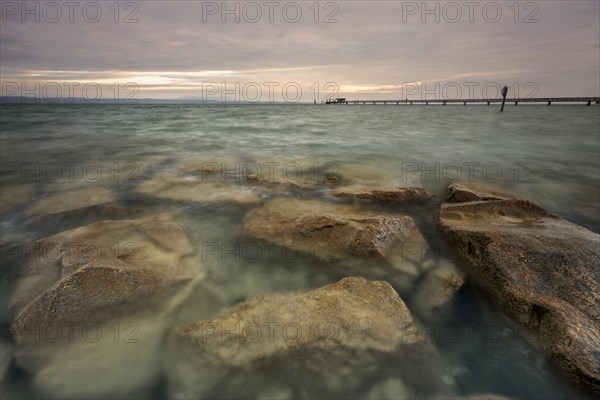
[(543, 270)]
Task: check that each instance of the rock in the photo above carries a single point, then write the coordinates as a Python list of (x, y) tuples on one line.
[(390, 389), (253, 178), (331, 181), (331, 232), (127, 353), (213, 168), (545, 270), (438, 288), (335, 335), (190, 188), (463, 192), (280, 187), (412, 260), (362, 316), (378, 174), (93, 290), (89, 199), (90, 271), (398, 196)]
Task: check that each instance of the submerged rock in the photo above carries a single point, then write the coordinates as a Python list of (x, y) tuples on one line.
[(72, 202), (463, 192), (190, 188), (331, 181), (397, 196), (376, 175), (331, 232), (210, 168), (545, 270), (438, 288), (127, 353), (89, 294), (332, 336), (280, 186), (88, 273)]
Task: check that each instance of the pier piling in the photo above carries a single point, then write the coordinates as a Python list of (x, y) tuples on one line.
[(504, 92)]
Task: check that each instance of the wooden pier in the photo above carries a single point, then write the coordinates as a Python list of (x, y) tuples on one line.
[(548, 100)]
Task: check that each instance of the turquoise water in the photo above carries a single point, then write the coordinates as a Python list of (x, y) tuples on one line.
[(549, 155)]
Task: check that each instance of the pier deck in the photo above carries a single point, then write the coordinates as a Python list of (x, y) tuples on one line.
[(548, 100)]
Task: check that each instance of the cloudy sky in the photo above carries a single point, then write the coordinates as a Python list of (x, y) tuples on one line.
[(249, 50)]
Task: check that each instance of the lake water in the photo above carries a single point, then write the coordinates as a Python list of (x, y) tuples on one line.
[(549, 155)]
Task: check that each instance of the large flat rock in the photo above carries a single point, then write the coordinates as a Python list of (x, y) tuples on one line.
[(88, 273), (545, 270), (195, 189), (72, 202), (469, 191), (330, 231), (388, 197), (338, 333)]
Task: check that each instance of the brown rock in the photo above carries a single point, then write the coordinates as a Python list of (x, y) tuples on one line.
[(384, 196), (253, 178), (91, 270), (194, 189), (331, 181), (544, 269), (331, 232), (438, 288), (463, 192), (336, 331), (75, 201), (95, 291), (211, 168)]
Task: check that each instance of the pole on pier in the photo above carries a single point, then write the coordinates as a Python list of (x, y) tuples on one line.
[(504, 92)]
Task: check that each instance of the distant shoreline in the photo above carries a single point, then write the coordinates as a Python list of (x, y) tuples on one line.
[(9, 100)]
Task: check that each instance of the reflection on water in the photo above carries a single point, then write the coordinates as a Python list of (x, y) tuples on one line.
[(65, 167)]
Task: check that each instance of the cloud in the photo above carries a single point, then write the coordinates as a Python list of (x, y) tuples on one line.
[(375, 47)]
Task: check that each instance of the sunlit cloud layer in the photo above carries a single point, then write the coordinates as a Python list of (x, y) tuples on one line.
[(178, 49)]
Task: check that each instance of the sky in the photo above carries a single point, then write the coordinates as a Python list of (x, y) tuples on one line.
[(299, 50)]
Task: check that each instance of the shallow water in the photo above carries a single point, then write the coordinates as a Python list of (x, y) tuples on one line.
[(549, 155)]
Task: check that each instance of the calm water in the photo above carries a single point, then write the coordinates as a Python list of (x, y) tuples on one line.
[(549, 155)]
